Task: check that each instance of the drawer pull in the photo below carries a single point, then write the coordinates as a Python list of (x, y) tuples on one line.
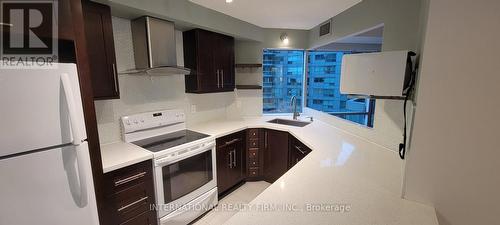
[(132, 204), (228, 143), (300, 150), (233, 141), (129, 179)]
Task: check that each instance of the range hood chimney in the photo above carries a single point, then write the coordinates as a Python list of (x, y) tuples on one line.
[(154, 47)]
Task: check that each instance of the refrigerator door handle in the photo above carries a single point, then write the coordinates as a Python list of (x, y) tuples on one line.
[(72, 110), (80, 160), (77, 138)]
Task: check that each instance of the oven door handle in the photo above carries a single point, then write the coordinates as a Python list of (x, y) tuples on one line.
[(191, 152)]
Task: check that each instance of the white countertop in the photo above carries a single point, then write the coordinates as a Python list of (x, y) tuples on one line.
[(342, 171), (121, 154)]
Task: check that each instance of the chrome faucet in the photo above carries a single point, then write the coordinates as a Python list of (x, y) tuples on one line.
[(294, 106)]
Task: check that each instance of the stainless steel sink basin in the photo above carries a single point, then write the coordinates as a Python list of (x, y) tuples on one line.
[(295, 123)]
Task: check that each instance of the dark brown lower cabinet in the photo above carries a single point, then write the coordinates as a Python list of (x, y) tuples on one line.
[(298, 151), (255, 157), (256, 154), (143, 219), (275, 154), (231, 161), (129, 195)]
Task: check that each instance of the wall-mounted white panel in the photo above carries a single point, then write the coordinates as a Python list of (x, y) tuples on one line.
[(377, 74)]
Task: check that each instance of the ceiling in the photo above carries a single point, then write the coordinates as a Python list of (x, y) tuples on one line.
[(289, 14)]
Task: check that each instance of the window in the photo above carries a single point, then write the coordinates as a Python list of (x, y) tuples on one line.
[(283, 76), (323, 89)]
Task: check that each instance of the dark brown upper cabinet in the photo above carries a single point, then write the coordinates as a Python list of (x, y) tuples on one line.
[(101, 50), (275, 154), (210, 56)]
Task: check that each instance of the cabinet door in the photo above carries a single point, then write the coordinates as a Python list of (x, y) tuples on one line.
[(101, 50), (206, 70), (297, 151), (230, 161), (225, 61), (223, 170), (236, 147), (211, 57), (275, 154)]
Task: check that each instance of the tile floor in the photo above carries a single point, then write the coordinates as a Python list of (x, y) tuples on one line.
[(225, 209)]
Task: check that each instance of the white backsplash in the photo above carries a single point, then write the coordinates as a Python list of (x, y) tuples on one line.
[(144, 93)]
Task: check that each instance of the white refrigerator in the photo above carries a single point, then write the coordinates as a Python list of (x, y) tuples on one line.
[(45, 171)]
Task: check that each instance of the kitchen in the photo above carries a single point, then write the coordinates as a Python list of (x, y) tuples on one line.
[(184, 112)]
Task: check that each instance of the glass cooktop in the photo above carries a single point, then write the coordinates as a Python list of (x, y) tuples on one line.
[(162, 142)]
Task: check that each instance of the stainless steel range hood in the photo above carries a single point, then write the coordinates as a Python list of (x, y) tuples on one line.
[(154, 47)]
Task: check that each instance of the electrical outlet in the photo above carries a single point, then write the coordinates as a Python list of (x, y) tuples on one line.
[(193, 108)]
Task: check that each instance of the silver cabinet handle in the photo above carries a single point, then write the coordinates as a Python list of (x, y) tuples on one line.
[(132, 204), (232, 141), (234, 158), (265, 140), (115, 76), (218, 79), (222, 72), (300, 150), (230, 159), (129, 179)]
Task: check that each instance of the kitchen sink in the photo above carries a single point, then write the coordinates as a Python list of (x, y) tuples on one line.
[(295, 123)]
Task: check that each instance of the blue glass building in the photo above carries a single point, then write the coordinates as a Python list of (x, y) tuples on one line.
[(283, 77)]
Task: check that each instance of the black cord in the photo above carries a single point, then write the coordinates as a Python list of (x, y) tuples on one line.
[(402, 146)]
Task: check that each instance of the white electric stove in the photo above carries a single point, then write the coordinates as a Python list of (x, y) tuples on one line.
[(184, 161)]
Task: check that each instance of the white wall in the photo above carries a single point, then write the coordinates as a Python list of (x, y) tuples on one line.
[(140, 94), (249, 102), (401, 19), (453, 161)]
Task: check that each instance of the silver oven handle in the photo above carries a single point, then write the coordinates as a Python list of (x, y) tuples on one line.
[(178, 157)]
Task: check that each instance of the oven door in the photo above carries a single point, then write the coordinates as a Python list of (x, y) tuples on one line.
[(182, 177)]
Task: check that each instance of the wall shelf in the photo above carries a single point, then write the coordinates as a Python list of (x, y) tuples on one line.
[(248, 87)]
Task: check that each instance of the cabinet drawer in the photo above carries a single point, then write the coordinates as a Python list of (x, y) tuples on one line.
[(253, 162), (130, 202), (253, 153), (127, 177), (129, 193), (253, 143), (146, 218), (253, 172), (253, 133)]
